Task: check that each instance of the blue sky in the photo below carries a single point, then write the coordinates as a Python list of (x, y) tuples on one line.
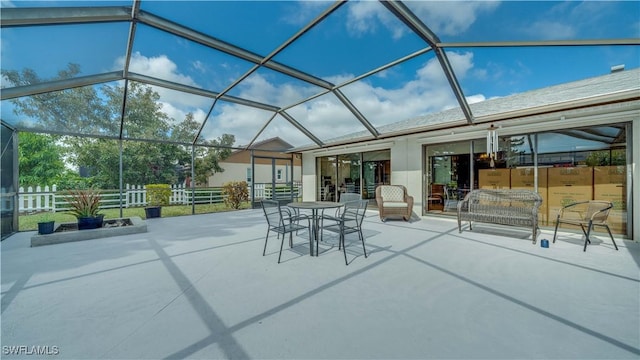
[(357, 38)]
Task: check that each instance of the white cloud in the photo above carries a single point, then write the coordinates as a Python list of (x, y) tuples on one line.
[(567, 20), (326, 117), (259, 88), (241, 121), (364, 17), (179, 114), (550, 30), (200, 66), (162, 67), (442, 17), (450, 17), (304, 11), (475, 98)]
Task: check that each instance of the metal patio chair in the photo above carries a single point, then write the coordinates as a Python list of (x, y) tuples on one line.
[(282, 220), (335, 218), (350, 221), (586, 213)]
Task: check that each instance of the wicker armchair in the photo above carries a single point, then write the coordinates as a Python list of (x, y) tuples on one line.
[(586, 213), (393, 200)]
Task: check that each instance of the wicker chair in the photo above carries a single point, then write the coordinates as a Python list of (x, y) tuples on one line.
[(586, 213), (393, 200)]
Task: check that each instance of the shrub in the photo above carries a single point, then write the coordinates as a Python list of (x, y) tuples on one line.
[(235, 193), (158, 194)]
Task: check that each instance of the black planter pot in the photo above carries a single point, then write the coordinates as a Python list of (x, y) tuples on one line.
[(46, 227), (100, 220), (85, 223), (153, 211)]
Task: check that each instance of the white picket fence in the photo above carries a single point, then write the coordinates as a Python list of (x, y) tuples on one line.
[(47, 198)]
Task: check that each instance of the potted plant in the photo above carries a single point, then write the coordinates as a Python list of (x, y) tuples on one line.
[(84, 206), (46, 225), (157, 195)]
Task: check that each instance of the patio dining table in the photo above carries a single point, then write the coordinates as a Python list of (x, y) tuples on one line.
[(315, 207)]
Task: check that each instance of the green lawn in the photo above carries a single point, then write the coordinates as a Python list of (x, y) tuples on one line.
[(30, 222)]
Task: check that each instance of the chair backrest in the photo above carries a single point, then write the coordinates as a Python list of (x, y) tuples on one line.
[(392, 192), (598, 211), (272, 212), (346, 197), (511, 201), (354, 212), (438, 189), (362, 211)]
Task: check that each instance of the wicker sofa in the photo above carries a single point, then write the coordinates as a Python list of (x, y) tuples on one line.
[(393, 200), (504, 207)]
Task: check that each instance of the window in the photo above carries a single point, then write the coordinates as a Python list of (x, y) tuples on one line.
[(279, 174), (249, 175)]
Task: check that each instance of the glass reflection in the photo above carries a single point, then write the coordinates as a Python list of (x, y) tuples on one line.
[(93, 110), (64, 51)]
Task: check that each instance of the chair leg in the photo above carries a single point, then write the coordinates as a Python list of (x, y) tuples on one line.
[(281, 245), (556, 230), (317, 243), (587, 234), (265, 244), (362, 239), (344, 248), (611, 235)]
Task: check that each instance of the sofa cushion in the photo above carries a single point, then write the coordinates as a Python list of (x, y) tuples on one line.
[(392, 193)]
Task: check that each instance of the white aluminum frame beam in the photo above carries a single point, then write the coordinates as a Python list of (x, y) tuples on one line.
[(12, 17), (59, 85)]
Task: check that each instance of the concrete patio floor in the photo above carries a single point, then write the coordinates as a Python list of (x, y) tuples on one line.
[(199, 287)]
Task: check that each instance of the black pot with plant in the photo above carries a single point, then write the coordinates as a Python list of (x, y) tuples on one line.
[(85, 205), (46, 225), (157, 196)]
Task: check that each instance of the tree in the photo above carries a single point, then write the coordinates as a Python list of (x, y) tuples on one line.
[(78, 110), (40, 160), (208, 161), (606, 158), (96, 110)]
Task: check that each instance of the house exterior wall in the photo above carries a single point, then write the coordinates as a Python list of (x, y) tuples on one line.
[(236, 165), (407, 163), (238, 172)]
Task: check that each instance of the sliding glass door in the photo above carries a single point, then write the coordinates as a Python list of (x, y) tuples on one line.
[(358, 173), (570, 165)]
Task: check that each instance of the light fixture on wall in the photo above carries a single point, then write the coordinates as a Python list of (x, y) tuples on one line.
[(492, 144)]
